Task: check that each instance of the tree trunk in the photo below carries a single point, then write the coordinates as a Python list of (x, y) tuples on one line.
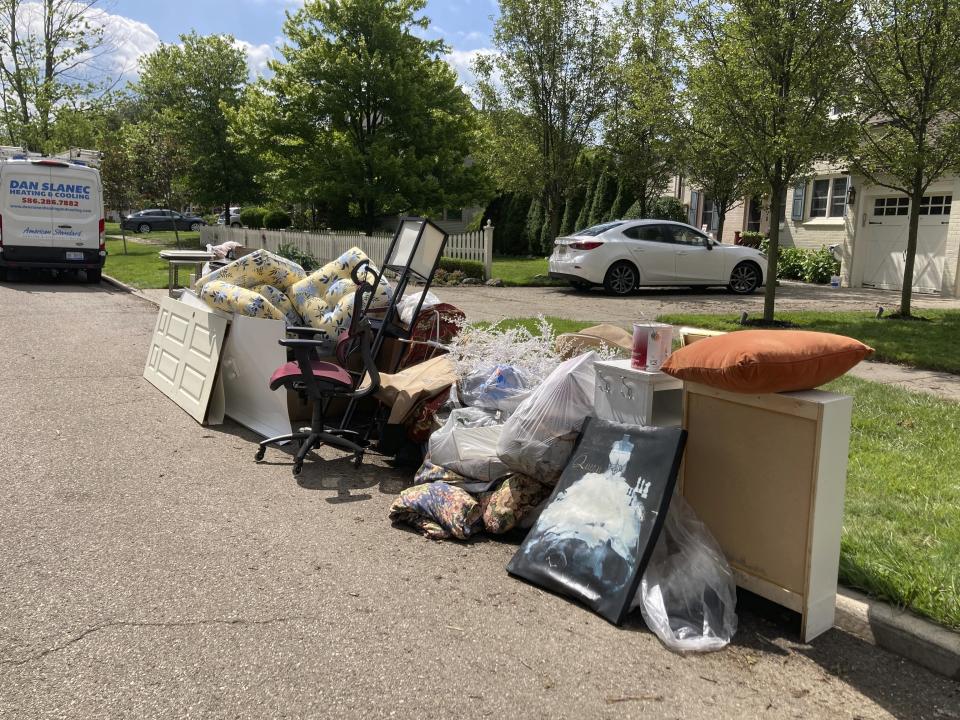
[(906, 292), (773, 253), (721, 219)]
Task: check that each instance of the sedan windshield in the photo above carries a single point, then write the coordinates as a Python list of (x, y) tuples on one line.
[(598, 229)]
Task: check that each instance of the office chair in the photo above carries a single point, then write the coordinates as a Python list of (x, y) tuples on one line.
[(323, 381)]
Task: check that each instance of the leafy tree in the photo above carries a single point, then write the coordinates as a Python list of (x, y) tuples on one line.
[(364, 114), (534, 226), (583, 216), (157, 160), (543, 93), (47, 51), (908, 102), (603, 196), (711, 161), (195, 85), (778, 69), (643, 118)]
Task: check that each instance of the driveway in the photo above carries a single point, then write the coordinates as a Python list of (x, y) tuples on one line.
[(151, 569), (486, 303)]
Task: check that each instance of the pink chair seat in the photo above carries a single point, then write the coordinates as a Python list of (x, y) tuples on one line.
[(323, 371)]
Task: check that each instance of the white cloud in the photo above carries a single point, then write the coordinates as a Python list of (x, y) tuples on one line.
[(257, 57), (462, 62)]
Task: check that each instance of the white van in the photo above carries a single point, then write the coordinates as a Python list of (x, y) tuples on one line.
[(51, 216)]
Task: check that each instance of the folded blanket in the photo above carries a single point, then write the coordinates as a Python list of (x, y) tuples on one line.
[(506, 507), (438, 510)]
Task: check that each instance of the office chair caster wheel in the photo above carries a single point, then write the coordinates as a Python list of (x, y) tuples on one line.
[(297, 468), (260, 453), (357, 460)]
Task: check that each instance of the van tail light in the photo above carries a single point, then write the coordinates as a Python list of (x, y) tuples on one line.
[(586, 244), (103, 229)]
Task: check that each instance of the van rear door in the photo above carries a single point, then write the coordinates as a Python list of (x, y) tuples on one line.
[(75, 207), (26, 217)]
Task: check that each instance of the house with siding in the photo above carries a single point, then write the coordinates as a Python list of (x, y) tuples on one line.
[(867, 222)]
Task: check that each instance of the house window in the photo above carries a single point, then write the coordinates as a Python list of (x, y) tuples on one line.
[(753, 217), (891, 206), (829, 197), (709, 216), (694, 208), (838, 197), (935, 205)]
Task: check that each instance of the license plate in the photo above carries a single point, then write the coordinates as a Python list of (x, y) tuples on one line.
[(74, 255)]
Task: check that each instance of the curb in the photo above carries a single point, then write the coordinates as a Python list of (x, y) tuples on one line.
[(117, 284), (925, 643), (127, 289)]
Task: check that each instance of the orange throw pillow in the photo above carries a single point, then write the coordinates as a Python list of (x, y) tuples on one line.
[(766, 361)]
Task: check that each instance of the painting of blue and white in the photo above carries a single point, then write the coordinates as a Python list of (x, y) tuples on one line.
[(594, 534)]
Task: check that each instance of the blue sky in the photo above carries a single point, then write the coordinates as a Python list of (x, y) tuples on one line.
[(465, 25)]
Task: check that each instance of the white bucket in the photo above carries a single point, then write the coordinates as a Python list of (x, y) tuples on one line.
[(834, 281)]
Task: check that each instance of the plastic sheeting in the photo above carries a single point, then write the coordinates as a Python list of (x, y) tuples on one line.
[(538, 438), (688, 595), (467, 444), (502, 387)]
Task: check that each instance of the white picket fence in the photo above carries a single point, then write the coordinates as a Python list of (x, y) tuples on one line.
[(477, 245)]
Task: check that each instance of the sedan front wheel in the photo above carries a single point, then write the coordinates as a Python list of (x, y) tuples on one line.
[(195, 227), (744, 279), (621, 278)]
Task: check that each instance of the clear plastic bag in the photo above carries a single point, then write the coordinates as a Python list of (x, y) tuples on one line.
[(538, 438), (467, 444), (687, 595), (408, 304), (501, 387)]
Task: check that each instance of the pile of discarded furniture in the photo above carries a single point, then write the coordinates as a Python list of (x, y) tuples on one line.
[(638, 475)]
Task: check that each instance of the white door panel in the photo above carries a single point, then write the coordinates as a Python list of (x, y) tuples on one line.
[(654, 257), (697, 264), (26, 212), (184, 355), (252, 353)]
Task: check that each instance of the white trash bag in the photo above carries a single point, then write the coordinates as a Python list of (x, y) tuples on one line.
[(408, 304), (688, 595), (467, 444), (538, 438)]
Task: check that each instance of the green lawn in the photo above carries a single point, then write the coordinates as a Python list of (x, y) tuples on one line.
[(162, 237), (932, 345), (142, 267), (516, 271), (901, 530)]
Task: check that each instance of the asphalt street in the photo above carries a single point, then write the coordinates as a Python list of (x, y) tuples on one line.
[(151, 569)]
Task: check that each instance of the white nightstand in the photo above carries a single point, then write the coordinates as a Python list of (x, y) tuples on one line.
[(637, 397)]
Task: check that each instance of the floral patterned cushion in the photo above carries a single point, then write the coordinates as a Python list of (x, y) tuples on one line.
[(260, 267), (235, 299), (262, 284), (324, 298)]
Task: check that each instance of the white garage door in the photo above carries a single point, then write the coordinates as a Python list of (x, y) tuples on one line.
[(885, 241)]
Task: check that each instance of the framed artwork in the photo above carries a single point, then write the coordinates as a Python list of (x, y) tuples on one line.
[(595, 536)]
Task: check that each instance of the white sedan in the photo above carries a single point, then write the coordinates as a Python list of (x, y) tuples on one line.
[(623, 255)]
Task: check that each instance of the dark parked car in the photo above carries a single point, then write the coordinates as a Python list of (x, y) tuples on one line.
[(147, 220)]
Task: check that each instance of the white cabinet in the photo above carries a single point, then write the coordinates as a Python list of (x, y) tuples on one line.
[(766, 474), (636, 397)]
